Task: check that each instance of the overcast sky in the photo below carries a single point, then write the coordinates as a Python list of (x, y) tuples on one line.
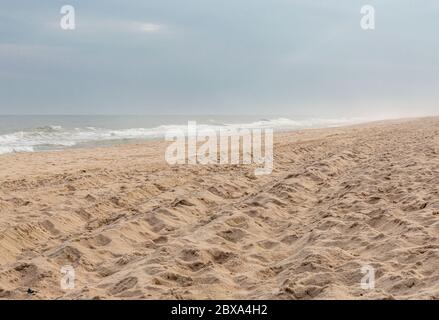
[(283, 57)]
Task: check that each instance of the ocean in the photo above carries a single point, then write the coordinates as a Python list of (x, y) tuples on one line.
[(36, 133)]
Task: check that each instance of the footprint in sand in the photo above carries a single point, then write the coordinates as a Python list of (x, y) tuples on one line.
[(123, 285)]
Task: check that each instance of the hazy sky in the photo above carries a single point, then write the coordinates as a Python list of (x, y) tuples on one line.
[(284, 57)]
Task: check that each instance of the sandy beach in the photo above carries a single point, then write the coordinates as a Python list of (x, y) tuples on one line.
[(134, 227)]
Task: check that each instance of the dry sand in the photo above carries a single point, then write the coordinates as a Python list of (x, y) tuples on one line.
[(134, 227)]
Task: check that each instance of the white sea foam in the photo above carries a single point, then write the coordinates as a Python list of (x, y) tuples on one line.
[(15, 149), (54, 137)]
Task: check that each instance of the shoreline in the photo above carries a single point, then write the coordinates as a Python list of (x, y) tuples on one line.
[(102, 144)]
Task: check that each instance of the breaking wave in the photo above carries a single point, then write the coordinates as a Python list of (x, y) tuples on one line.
[(54, 137)]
